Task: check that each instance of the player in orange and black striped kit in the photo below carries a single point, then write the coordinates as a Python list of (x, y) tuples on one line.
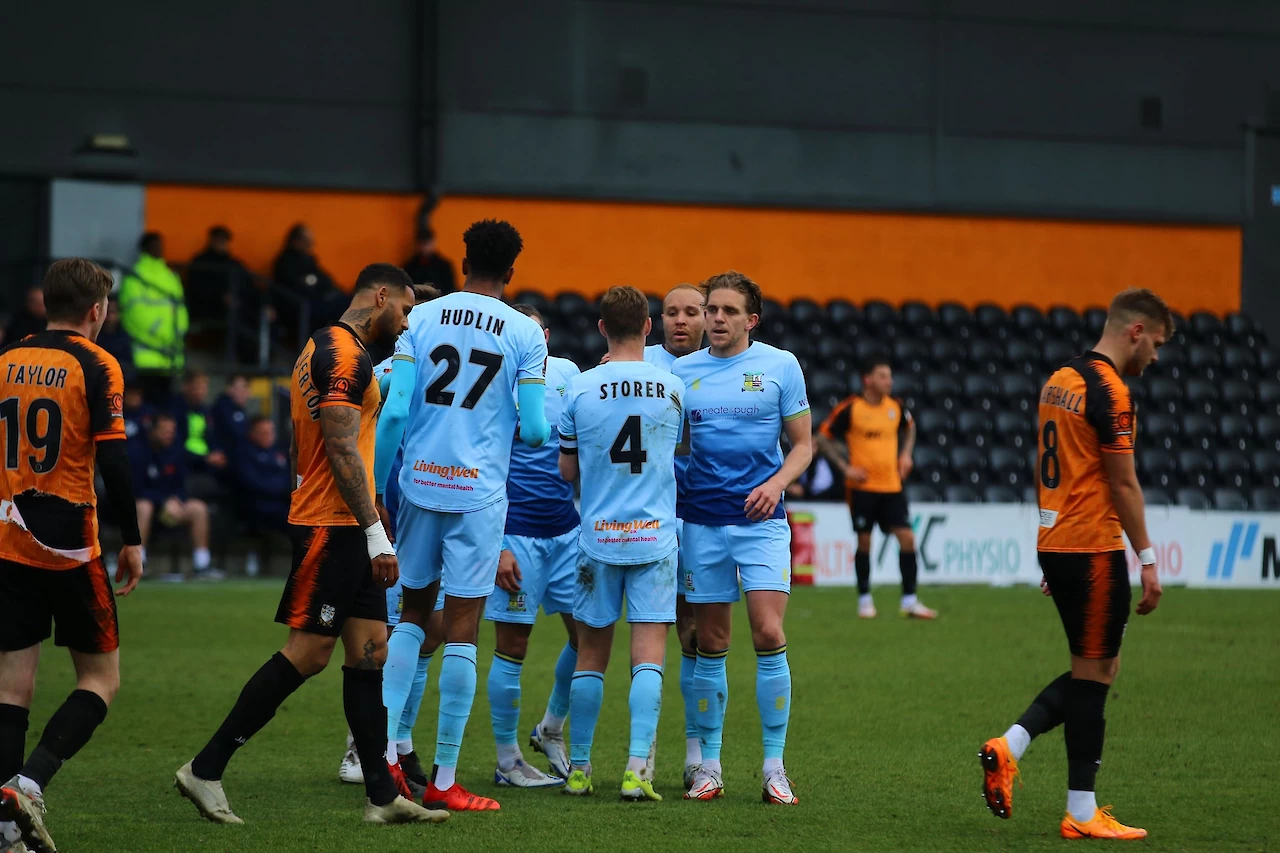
[(343, 560), (61, 419), (1089, 497)]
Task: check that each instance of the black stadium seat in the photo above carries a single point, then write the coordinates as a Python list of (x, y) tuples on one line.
[(866, 349), (1024, 356), (1159, 429), (1268, 431), (1196, 467), (1266, 467), (1094, 319), (974, 427), (805, 311), (969, 464), (936, 426), (1232, 468), (535, 300), (1157, 467), (1236, 431), (920, 493), (1239, 360), (956, 320), (1201, 395), (1193, 498), (1165, 395), (942, 389), (949, 354), (1063, 321), (932, 465), (1155, 496), (1014, 429), (961, 494), (1058, 352), (1227, 498), (907, 384), (1007, 466), (878, 314), (991, 320), (1269, 396), (1265, 499), (916, 314), (844, 315), (986, 355), (910, 354), (828, 386), (1000, 495), (1198, 431), (1028, 322), (1238, 396)]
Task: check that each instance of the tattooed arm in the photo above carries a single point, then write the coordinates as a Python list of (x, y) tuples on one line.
[(340, 426)]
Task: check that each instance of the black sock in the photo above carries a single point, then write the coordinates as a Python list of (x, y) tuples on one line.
[(367, 719), (13, 739), (69, 729), (862, 566), (258, 702), (1048, 709), (907, 565), (1084, 728)]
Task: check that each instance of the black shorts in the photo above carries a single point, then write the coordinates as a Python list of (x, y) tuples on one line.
[(1092, 593), (77, 606), (331, 581), (886, 509)]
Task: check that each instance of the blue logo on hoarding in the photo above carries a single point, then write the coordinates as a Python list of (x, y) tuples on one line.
[(1224, 558)]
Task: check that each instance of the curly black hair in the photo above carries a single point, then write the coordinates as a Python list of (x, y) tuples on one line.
[(492, 248)]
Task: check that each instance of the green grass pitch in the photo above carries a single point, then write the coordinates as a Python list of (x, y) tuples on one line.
[(888, 717)]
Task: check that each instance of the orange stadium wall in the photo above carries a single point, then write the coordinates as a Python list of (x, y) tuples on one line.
[(586, 246)]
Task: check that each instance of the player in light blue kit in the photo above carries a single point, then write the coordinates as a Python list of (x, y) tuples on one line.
[(537, 566), (619, 430), (683, 322), (457, 375), (387, 504), (741, 396)]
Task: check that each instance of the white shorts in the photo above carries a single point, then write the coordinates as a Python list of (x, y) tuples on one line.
[(717, 556), (547, 569), (648, 588), (459, 549)]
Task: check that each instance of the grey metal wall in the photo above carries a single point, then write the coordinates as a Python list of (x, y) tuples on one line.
[(1021, 106)]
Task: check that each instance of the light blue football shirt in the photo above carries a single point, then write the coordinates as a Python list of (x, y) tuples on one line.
[(735, 408), (624, 420), (539, 500), (470, 352), (658, 356)]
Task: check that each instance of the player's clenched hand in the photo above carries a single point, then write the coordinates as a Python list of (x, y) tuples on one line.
[(1044, 585), (386, 570), (1151, 590), (129, 568), (384, 515), (509, 576), (905, 464), (762, 501)]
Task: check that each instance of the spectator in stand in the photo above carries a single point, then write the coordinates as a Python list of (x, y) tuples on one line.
[(428, 266), (818, 483), (231, 418), (195, 434), (297, 271), (217, 281), (115, 340), (159, 476), (28, 319), (153, 310), (262, 477), (139, 415)]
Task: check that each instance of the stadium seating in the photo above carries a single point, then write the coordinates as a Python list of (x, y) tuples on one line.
[(1209, 409)]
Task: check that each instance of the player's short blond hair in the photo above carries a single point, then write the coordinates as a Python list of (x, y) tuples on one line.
[(734, 280), (1138, 303)]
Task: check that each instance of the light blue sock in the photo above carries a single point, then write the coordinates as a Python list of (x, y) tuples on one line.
[(457, 692), (586, 695), (687, 665), (711, 695), (558, 704), (646, 704), (504, 698), (409, 718), (399, 671), (773, 695)]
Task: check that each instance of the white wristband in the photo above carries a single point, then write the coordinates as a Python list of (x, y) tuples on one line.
[(375, 536), (1147, 556)]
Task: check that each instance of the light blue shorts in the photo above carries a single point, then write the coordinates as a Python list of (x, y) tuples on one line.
[(717, 556), (684, 576), (547, 568), (459, 549), (649, 590), (395, 603)]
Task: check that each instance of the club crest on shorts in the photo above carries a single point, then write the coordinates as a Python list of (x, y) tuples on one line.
[(516, 603), (326, 615), (753, 382)]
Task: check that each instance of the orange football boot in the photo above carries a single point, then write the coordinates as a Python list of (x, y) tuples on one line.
[(1000, 768), (457, 799), (1102, 825)]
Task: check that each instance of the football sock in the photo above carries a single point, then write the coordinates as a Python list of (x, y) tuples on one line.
[(711, 694), (404, 747), (636, 765), (713, 764), (586, 695), (504, 700), (398, 673), (258, 701), (1084, 729), (1043, 714), (412, 703), (909, 601), (68, 730), (509, 755), (14, 721), (645, 702), (457, 692), (773, 696), (688, 663), (906, 565), (1082, 805), (862, 567), (865, 600), (773, 765), (200, 559), (1018, 739), (367, 718), (558, 704)]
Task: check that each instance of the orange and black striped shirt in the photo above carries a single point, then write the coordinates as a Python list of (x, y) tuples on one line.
[(60, 394), (871, 432), (334, 370), (1085, 411)]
